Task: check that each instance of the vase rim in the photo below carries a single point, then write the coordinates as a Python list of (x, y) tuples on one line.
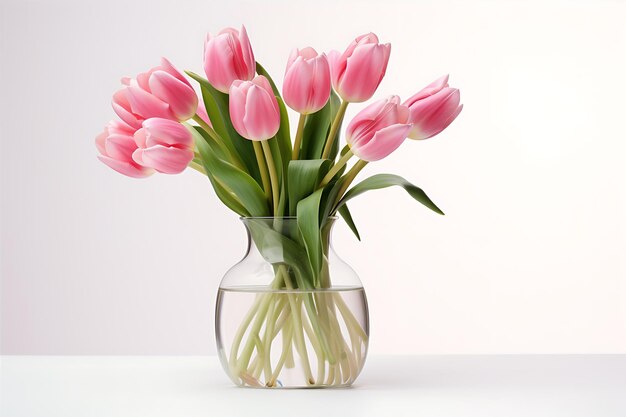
[(277, 217)]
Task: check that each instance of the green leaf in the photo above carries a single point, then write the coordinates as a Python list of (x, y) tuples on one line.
[(278, 159), (262, 71), (277, 249), (216, 104), (283, 137), (347, 216), (335, 103), (282, 199), (227, 197), (304, 177), (308, 219), (242, 185), (316, 127), (387, 180), (212, 109)]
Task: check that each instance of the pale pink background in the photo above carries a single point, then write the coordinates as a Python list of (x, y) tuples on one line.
[(530, 257)]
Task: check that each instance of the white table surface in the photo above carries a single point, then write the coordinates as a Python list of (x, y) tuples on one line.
[(482, 385)]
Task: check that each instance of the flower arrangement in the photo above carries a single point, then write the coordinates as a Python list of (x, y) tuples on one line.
[(238, 135)]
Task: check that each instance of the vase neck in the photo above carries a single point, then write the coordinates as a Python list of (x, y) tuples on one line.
[(280, 257), (266, 232)]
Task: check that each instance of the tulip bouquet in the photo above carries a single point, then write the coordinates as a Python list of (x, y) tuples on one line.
[(238, 135)]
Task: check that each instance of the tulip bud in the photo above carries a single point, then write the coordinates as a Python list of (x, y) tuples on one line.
[(433, 109), (253, 109), (228, 57), (357, 72), (379, 129), (116, 146), (307, 81), (160, 92), (165, 145)]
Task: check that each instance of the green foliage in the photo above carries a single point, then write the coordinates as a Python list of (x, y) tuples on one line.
[(262, 71), (347, 217), (309, 225), (388, 180), (334, 102), (316, 129), (283, 137), (226, 196), (235, 187), (304, 178), (278, 249)]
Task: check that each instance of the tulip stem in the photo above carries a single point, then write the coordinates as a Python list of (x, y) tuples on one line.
[(272, 170), (334, 128), (336, 168), (219, 141), (258, 152), (299, 133), (197, 167), (349, 177)]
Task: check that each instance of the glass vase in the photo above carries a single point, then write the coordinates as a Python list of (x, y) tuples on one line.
[(281, 323)]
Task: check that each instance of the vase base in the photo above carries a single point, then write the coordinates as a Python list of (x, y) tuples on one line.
[(302, 339)]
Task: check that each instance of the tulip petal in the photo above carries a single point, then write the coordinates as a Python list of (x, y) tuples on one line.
[(121, 107), (366, 38), (147, 105), (237, 109), (263, 82), (118, 126), (167, 66), (140, 137), (337, 67), (166, 132), (260, 114), (417, 133), (167, 160), (429, 90), (247, 55), (120, 147), (218, 63), (142, 80), (430, 114), (365, 69), (298, 85), (100, 141), (126, 168), (422, 109), (320, 84), (379, 114), (181, 98), (383, 143)]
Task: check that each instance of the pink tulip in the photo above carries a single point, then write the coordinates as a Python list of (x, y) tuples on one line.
[(116, 146), (254, 109), (433, 109), (357, 72), (307, 81), (379, 129), (160, 92), (163, 144), (228, 57)]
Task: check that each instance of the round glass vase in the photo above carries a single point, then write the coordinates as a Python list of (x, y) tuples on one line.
[(280, 323)]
